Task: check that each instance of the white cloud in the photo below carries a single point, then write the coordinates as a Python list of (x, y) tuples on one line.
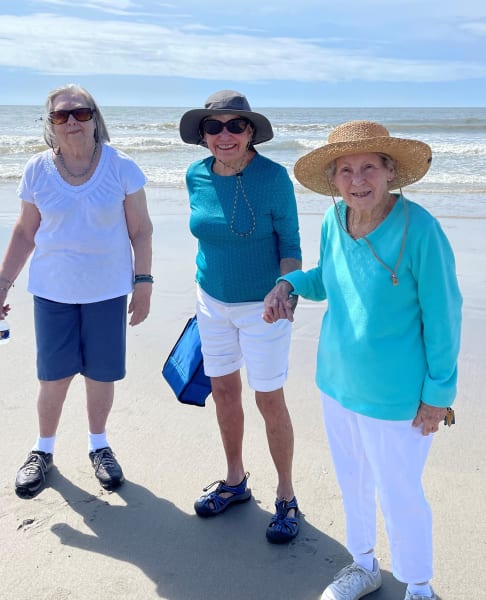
[(88, 47), (478, 29), (104, 5)]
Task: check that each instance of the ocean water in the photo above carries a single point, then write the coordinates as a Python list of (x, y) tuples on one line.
[(454, 186)]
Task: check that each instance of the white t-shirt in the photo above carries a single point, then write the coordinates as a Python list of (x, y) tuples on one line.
[(82, 249)]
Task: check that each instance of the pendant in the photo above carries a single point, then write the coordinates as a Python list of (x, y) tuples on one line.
[(394, 279)]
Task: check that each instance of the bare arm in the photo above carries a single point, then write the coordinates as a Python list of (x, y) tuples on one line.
[(140, 232), (19, 249), (287, 265)]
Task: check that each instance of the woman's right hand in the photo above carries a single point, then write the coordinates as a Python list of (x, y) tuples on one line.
[(279, 304), (5, 308)]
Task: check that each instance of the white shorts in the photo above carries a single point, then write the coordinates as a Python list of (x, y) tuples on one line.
[(234, 334)]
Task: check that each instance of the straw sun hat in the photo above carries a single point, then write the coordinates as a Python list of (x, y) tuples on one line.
[(412, 157), (224, 102)]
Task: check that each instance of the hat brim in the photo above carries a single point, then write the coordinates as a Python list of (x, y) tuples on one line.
[(412, 157), (190, 121)]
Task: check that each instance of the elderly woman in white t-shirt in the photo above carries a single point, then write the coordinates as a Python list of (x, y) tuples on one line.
[(84, 216)]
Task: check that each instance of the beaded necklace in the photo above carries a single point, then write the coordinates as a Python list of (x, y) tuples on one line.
[(83, 173), (239, 187)]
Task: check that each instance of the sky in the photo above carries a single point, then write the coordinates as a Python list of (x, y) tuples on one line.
[(349, 53)]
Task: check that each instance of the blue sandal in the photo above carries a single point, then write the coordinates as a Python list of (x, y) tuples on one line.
[(283, 528), (213, 503)]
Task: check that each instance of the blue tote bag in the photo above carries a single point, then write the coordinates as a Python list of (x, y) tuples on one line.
[(184, 371)]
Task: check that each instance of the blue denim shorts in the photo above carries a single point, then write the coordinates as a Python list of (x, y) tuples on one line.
[(89, 339)]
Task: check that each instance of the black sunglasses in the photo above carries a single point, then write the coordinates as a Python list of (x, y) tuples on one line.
[(213, 126), (58, 117)]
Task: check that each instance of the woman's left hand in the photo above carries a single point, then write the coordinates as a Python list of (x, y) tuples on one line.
[(429, 418), (139, 306)]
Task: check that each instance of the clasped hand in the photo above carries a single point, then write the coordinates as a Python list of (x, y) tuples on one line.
[(279, 304)]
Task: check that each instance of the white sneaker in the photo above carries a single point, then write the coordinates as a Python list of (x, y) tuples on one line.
[(409, 596), (353, 582)]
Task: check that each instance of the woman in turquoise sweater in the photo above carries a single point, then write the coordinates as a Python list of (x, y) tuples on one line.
[(387, 355), (244, 216)]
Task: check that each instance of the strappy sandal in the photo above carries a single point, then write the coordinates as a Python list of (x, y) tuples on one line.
[(283, 528), (213, 503)]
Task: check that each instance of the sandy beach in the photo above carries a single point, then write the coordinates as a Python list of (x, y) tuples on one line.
[(75, 541)]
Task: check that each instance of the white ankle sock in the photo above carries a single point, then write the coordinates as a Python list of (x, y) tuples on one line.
[(420, 590), (45, 444), (97, 441), (367, 561)]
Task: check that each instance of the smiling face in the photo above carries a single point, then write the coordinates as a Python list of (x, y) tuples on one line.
[(362, 180), (230, 148)]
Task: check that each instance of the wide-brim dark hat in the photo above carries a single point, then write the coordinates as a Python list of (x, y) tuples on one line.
[(224, 102), (412, 157)]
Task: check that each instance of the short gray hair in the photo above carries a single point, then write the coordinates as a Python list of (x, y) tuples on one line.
[(101, 132)]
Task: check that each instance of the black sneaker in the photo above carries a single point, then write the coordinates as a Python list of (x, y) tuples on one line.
[(107, 469), (31, 476)]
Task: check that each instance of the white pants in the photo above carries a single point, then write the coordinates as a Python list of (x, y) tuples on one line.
[(387, 458)]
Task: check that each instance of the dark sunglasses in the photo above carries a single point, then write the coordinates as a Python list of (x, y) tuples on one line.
[(58, 117), (213, 127)]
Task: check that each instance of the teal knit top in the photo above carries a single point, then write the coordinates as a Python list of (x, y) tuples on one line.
[(383, 348), (244, 228)]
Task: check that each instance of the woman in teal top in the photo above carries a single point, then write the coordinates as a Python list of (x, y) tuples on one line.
[(244, 216), (387, 355)]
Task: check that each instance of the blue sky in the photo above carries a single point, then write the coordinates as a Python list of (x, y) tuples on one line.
[(278, 52)]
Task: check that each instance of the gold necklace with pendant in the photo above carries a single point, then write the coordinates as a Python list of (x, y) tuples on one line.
[(393, 272), (394, 276)]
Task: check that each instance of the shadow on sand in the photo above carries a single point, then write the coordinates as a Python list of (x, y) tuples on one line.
[(189, 558)]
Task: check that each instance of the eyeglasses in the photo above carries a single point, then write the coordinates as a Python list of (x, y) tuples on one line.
[(58, 117), (213, 126)]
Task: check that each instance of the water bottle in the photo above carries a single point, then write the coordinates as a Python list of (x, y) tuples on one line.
[(4, 332)]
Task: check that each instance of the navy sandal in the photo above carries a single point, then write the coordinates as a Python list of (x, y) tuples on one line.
[(213, 503), (283, 528)]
